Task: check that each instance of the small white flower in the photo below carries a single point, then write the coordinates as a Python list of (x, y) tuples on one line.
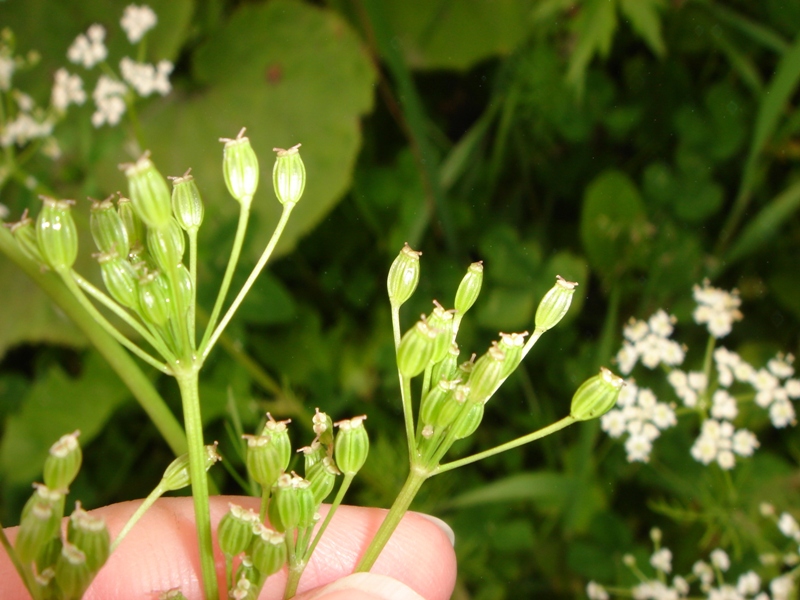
[(145, 78), (662, 560), (781, 413), (627, 358), (663, 416), (7, 67), (4, 212), (67, 89), (638, 448), (748, 583), (136, 21), (716, 308), (792, 387), (723, 406), (681, 585), (766, 509), (698, 381), (23, 129), (781, 587), (88, 49), (744, 442), (703, 571), (628, 393), (635, 330), (704, 449), (781, 366), (595, 591), (726, 459), (661, 323), (719, 558), (24, 101), (672, 353), (613, 423), (788, 526)]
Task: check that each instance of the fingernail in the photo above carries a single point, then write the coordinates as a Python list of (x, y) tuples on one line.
[(445, 528)]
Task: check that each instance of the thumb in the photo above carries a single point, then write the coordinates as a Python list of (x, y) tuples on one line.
[(363, 586)]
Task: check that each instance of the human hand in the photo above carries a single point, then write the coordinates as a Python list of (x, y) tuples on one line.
[(160, 554)]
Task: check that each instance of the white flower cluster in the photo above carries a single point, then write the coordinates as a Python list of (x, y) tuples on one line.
[(111, 94), (708, 575), (7, 67), (641, 416), (717, 308), (30, 123), (648, 342), (67, 89), (136, 21)]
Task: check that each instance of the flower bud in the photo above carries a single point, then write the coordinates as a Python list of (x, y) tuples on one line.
[(235, 530), (555, 304), (133, 224), (73, 574), (166, 245), (149, 192), (511, 344), (41, 517), (403, 276), (289, 175), (63, 462), (596, 396), (469, 423), (154, 301), (187, 205), (487, 374), (240, 168), (441, 322), (322, 476), (268, 551), (176, 475), (352, 445), (120, 279), (56, 234), (415, 349), (265, 460), (108, 230), (90, 535), (24, 231), (469, 288)]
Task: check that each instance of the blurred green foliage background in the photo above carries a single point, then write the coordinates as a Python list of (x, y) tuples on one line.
[(635, 146)]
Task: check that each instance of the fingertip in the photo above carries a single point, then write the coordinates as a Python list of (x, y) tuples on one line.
[(363, 586)]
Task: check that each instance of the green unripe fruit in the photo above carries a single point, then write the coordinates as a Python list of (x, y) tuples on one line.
[(133, 224), (166, 245), (279, 433), (312, 455), (120, 279), (441, 322), (289, 175), (450, 407), (41, 517), (511, 344), (403, 276), (487, 374), (446, 368), (265, 461), (56, 234), (596, 396), (150, 193), (268, 551), (187, 205), (433, 400), (292, 504), (24, 231), (177, 476), (240, 168), (235, 530), (108, 230), (63, 462), (323, 427), (352, 445), (469, 288), (416, 349), (90, 535), (555, 304), (154, 301), (73, 574), (322, 476), (469, 423)]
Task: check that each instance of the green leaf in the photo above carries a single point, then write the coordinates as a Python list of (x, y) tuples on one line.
[(545, 488), (613, 224), (57, 404), (595, 29), (456, 34), (28, 315), (290, 73), (645, 20)]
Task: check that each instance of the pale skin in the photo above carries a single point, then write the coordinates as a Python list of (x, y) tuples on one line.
[(160, 554)]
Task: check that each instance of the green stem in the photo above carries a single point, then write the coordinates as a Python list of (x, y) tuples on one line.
[(108, 327), (187, 381), (262, 262), (233, 260), (416, 478), (262, 513), (146, 504), (525, 439), (109, 303), (408, 416), (120, 361), (193, 277), (293, 566), (348, 479), (24, 573)]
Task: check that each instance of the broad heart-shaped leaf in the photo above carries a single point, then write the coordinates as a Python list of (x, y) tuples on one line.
[(613, 222), (291, 73), (455, 34), (28, 315), (55, 405)]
